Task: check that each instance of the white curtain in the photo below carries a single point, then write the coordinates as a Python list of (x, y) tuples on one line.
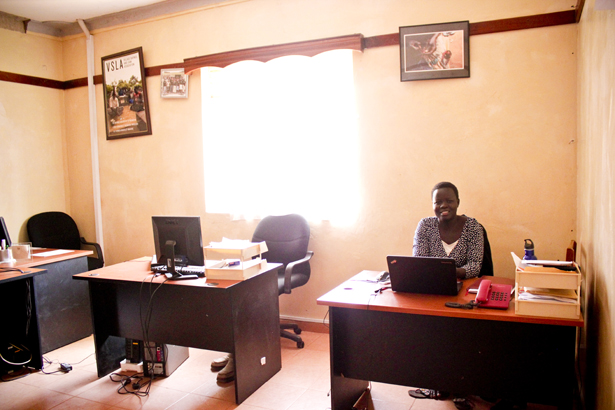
[(281, 137)]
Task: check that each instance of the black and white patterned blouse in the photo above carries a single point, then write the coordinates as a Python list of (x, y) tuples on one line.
[(468, 253)]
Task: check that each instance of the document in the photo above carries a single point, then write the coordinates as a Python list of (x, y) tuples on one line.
[(53, 253), (548, 295), (523, 263)]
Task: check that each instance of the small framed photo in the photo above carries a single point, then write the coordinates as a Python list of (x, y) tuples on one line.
[(126, 106), (435, 51), (173, 83)]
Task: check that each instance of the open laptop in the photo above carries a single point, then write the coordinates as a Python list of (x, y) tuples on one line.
[(422, 274)]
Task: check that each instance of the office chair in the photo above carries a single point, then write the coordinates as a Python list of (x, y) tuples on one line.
[(59, 231), (287, 240), (487, 268)]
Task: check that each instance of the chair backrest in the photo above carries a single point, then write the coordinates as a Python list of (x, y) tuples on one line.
[(487, 267), (287, 239), (53, 230)]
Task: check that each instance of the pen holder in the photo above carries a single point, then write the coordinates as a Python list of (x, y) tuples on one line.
[(22, 250), (6, 255)]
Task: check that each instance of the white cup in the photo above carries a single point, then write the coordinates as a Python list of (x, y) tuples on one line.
[(6, 255)]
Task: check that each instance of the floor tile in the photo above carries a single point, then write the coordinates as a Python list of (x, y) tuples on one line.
[(303, 383), (273, 396)]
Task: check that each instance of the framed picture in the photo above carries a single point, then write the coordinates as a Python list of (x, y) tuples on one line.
[(125, 93), (435, 51), (173, 83)]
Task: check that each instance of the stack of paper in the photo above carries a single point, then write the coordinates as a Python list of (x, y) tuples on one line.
[(552, 295)]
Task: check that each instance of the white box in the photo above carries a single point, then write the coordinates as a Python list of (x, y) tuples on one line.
[(131, 367)]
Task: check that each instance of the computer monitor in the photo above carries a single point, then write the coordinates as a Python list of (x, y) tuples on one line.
[(178, 241), (4, 232)]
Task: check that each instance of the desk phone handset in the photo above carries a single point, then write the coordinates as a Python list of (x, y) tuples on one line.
[(493, 295)]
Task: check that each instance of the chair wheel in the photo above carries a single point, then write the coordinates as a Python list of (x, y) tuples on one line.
[(297, 331), (300, 344)]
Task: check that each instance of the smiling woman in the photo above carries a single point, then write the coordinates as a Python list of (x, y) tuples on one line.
[(281, 137), (448, 234)]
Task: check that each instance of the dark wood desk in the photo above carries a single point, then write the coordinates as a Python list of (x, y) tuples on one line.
[(414, 340), (62, 304), (20, 321), (239, 317)]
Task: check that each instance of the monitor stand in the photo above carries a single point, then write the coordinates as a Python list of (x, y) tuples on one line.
[(172, 274)]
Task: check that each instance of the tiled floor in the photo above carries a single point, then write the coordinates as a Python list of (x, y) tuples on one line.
[(302, 384)]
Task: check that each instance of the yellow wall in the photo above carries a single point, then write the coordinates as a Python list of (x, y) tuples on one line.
[(595, 212), (34, 165)]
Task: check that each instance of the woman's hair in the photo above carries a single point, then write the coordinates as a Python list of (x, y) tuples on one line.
[(445, 184)]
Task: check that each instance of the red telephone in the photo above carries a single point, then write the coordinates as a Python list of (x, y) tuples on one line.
[(493, 295)]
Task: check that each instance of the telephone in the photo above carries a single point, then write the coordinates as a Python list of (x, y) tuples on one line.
[(493, 295)]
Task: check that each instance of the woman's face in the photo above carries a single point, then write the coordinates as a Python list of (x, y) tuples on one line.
[(445, 204)]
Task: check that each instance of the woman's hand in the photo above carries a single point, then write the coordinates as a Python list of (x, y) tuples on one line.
[(461, 273)]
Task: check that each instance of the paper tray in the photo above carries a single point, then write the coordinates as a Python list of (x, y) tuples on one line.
[(242, 251), (551, 279), (240, 272), (548, 309)]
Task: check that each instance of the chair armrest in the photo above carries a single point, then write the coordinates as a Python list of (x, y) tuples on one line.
[(289, 269), (96, 246)]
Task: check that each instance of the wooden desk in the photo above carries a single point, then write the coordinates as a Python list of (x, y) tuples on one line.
[(414, 340), (63, 305), (239, 317), (20, 323)]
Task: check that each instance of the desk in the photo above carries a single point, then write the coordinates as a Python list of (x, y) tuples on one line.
[(61, 303), (239, 317), (414, 340), (16, 289)]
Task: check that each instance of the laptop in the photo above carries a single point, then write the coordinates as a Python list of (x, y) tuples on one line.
[(423, 274)]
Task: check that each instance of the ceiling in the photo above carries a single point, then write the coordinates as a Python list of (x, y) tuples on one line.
[(59, 17), (68, 10)]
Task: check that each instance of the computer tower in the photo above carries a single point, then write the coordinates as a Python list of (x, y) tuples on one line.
[(162, 359)]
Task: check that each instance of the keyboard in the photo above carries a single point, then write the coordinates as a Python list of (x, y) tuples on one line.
[(184, 270)]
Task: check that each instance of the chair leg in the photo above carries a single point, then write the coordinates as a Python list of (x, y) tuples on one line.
[(288, 335)]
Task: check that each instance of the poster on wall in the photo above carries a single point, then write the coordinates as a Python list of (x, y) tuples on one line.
[(173, 83), (125, 93), (435, 51)]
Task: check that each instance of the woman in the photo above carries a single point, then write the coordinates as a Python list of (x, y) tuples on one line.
[(448, 235)]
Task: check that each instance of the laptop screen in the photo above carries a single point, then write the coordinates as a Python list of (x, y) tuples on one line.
[(422, 274)]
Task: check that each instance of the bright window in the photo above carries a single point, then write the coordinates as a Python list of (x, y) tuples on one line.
[(281, 137)]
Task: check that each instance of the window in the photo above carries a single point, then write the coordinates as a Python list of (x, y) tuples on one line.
[(281, 137)]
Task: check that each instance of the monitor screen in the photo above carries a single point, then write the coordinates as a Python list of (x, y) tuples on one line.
[(186, 232), (4, 232)]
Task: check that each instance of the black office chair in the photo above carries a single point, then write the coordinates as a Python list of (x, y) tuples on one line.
[(59, 231), (487, 268), (287, 240)]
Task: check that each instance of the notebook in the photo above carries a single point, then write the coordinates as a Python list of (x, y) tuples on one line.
[(422, 274)]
